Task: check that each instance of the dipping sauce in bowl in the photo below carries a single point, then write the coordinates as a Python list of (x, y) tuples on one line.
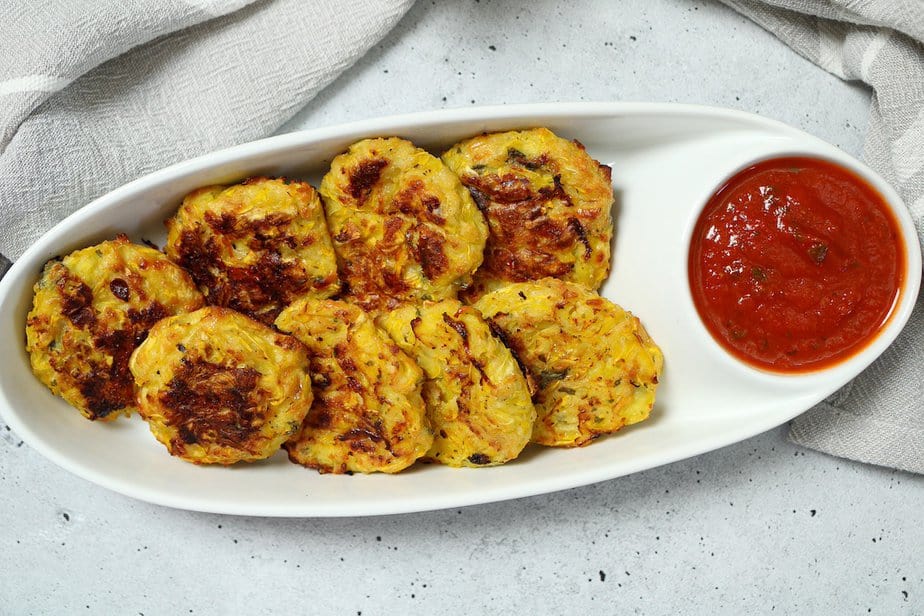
[(795, 264)]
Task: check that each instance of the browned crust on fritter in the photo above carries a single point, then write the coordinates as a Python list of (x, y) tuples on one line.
[(260, 289), (548, 211), (523, 237), (217, 387), (207, 401), (106, 386), (367, 414), (97, 367), (409, 225), (404, 227)]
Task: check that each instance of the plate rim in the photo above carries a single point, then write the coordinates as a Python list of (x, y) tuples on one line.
[(393, 123)]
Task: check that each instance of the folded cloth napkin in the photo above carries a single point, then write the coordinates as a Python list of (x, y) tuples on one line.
[(879, 417), (95, 94)]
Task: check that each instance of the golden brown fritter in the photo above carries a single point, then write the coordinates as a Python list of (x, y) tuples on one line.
[(547, 203), (595, 365), (255, 246), (404, 228), (91, 309), (477, 399), (368, 415), (217, 387)]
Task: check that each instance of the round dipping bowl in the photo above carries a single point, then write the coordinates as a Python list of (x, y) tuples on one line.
[(866, 351), (796, 264)]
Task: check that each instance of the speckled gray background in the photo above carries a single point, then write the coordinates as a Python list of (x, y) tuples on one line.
[(759, 527)]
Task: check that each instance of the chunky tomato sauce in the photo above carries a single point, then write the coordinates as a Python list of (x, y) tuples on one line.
[(795, 264)]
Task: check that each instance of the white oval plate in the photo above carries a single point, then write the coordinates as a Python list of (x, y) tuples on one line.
[(667, 160)]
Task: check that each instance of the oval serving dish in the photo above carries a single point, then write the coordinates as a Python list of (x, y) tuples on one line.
[(667, 161)]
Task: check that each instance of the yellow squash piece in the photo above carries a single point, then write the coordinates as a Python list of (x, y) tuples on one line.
[(91, 309), (217, 387), (596, 367), (255, 246), (547, 203), (477, 399), (404, 227), (368, 415)]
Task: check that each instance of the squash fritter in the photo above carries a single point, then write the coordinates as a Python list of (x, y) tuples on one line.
[(477, 399), (368, 415), (404, 227), (547, 203), (596, 367), (217, 387), (90, 310), (255, 246)]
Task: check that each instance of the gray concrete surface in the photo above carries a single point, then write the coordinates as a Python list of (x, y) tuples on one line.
[(758, 527)]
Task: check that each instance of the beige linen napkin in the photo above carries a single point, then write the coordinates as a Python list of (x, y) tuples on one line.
[(95, 94), (879, 417)]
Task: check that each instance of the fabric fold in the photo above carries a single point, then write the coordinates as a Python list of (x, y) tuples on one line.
[(47, 44), (225, 81)]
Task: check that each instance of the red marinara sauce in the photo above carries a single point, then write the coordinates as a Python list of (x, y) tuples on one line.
[(795, 264)]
